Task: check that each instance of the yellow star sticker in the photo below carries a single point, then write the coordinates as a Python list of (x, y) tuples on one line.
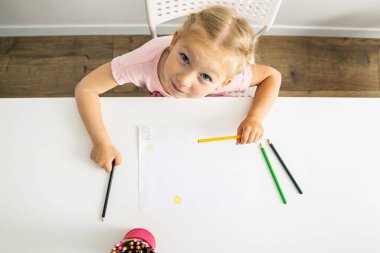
[(149, 147), (177, 200)]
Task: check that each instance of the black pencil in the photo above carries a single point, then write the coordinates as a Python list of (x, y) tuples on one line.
[(284, 165), (108, 191)]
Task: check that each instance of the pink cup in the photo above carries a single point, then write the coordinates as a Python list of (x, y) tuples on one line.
[(142, 234)]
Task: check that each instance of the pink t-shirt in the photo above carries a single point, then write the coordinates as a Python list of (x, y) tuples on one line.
[(140, 68)]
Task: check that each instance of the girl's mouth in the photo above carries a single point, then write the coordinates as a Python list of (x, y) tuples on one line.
[(175, 87)]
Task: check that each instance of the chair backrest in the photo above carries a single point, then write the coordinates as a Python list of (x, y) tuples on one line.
[(260, 12)]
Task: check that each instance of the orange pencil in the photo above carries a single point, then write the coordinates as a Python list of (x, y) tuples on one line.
[(224, 138)]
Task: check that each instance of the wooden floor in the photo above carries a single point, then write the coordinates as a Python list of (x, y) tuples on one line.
[(310, 66)]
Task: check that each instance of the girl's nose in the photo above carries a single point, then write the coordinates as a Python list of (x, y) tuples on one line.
[(185, 79)]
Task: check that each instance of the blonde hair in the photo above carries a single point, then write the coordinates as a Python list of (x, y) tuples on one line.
[(220, 29)]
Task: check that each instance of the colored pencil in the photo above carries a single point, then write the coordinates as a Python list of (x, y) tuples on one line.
[(285, 167), (224, 138), (108, 191), (273, 174)]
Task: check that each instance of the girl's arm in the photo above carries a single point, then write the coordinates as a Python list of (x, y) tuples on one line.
[(268, 82), (87, 96)]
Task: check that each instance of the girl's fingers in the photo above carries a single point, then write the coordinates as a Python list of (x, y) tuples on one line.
[(239, 132), (259, 136), (256, 136), (252, 137), (249, 133), (245, 136), (117, 159), (108, 166)]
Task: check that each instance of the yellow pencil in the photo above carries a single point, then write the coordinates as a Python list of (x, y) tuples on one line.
[(220, 138)]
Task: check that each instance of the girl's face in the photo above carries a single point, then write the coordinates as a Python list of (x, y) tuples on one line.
[(190, 73)]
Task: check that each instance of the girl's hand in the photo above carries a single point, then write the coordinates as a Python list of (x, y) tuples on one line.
[(103, 155), (250, 130)]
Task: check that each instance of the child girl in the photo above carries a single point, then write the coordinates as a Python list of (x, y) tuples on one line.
[(209, 55)]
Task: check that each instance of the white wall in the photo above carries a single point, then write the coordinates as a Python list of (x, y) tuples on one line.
[(351, 18)]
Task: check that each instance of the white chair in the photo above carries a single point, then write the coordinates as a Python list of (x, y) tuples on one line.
[(260, 12)]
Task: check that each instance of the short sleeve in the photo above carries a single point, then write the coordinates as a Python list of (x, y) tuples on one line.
[(239, 82), (136, 66)]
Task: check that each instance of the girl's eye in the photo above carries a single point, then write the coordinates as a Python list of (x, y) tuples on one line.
[(184, 58), (206, 77)]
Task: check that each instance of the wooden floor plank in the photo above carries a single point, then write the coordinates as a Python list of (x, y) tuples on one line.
[(51, 66), (354, 94), (41, 75), (378, 64), (330, 64)]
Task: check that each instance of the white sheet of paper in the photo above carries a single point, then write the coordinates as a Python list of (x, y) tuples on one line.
[(175, 171)]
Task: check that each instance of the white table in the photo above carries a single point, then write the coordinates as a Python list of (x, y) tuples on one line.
[(51, 194)]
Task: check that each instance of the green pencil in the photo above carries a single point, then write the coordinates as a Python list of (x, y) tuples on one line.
[(273, 175)]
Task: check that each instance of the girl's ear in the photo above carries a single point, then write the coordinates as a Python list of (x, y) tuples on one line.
[(174, 39)]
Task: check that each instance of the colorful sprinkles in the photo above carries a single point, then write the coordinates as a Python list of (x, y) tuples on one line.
[(132, 246)]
